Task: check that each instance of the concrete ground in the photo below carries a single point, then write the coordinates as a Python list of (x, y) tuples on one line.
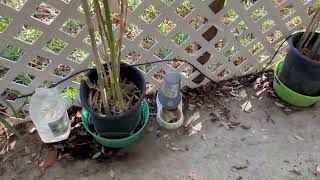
[(265, 151)]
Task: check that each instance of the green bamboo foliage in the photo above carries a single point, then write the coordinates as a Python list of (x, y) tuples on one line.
[(108, 83)]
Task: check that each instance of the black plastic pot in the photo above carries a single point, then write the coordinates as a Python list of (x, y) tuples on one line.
[(122, 125), (300, 73)]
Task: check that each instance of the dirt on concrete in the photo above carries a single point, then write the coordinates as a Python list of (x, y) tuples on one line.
[(268, 142)]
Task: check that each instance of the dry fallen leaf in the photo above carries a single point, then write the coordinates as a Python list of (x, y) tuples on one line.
[(193, 176), (318, 170), (261, 91), (230, 125), (296, 171), (195, 129), (298, 137), (96, 155), (112, 174), (246, 106), (174, 148), (241, 167), (243, 94), (279, 105), (150, 129), (27, 150), (12, 145), (32, 130), (192, 118), (287, 109), (191, 107), (28, 162), (67, 156), (49, 161)]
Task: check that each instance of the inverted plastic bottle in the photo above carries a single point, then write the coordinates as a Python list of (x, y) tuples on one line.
[(169, 93), (49, 114)]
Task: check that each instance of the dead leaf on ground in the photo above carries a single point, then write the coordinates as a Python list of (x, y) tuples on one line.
[(192, 118), (226, 88), (296, 171), (96, 155), (246, 106), (193, 176), (27, 150), (195, 129), (287, 109), (317, 170), (67, 156), (298, 137), (112, 174), (230, 125), (49, 161), (191, 107), (174, 148), (279, 104), (241, 167), (242, 94), (260, 91), (150, 129), (32, 130), (12, 145)]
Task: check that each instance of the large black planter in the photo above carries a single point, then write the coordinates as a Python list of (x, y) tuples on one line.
[(300, 73), (122, 125)]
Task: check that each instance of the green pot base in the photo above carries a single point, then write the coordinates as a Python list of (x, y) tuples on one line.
[(116, 143), (287, 94)]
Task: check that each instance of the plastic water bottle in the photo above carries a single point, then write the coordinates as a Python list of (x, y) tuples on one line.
[(49, 115), (169, 93)]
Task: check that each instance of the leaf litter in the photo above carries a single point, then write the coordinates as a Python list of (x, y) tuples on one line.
[(241, 167)]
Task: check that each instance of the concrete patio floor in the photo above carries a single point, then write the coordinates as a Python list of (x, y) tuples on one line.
[(269, 150)]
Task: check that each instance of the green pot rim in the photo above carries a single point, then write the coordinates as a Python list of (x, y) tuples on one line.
[(289, 95), (117, 143)]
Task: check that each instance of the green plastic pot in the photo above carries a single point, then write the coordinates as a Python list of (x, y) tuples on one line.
[(116, 143), (289, 95)]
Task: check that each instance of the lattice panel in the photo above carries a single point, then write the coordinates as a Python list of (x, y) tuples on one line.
[(233, 41)]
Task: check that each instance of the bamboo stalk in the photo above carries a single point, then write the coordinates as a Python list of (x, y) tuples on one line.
[(313, 29), (314, 51), (114, 59), (308, 31), (99, 67)]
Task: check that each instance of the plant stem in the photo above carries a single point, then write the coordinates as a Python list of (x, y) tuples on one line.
[(314, 51), (115, 63), (306, 34), (99, 67)]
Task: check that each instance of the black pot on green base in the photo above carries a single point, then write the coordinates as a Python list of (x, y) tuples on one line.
[(300, 73), (122, 125)]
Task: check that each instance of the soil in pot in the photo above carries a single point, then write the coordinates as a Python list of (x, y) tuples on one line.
[(301, 73), (170, 116)]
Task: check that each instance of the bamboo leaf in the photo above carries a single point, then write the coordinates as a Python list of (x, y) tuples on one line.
[(10, 128), (9, 105)]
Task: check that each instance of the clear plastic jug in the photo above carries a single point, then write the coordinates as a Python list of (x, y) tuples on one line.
[(49, 115)]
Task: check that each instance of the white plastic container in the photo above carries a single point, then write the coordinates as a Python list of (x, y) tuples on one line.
[(162, 123), (49, 115)]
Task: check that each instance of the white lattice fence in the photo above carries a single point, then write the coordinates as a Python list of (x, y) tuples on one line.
[(237, 40)]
